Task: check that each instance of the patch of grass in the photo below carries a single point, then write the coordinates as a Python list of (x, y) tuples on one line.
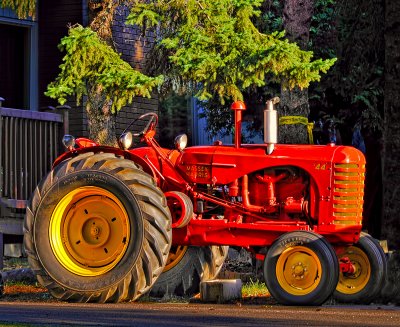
[(22, 283), (254, 289), (15, 263)]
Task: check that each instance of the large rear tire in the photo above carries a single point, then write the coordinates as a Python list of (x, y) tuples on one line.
[(301, 268), (97, 229), (186, 267), (365, 283)]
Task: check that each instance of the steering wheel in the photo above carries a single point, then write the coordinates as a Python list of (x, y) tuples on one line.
[(151, 124)]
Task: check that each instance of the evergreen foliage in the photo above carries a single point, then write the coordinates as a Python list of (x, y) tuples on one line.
[(23, 8), (90, 61), (352, 31), (351, 93), (214, 47)]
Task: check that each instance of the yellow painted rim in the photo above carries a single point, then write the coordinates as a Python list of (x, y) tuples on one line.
[(175, 256), (353, 283), (89, 231), (298, 270)]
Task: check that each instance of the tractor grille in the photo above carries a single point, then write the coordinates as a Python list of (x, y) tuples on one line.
[(348, 193)]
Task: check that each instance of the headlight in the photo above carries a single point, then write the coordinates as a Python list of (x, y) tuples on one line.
[(181, 142), (125, 140), (68, 141)]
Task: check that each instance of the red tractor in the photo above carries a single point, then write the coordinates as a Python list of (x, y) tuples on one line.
[(111, 224)]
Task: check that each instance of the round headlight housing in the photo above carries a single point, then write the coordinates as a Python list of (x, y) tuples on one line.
[(181, 142), (68, 141), (125, 140)]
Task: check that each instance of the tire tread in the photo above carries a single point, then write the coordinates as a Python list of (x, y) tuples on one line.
[(157, 229)]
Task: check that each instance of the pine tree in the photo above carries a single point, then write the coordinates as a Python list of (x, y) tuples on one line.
[(209, 47), (213, 48)]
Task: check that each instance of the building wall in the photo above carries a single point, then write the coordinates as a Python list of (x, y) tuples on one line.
[(52, 21), (78, 122), (54, 17), (18, 61), (133, 48)]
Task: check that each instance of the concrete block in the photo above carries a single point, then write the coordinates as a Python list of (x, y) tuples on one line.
[(221, 290), (13, 250)]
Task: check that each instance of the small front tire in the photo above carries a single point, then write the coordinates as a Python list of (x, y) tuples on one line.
[(301, 268), (365, 283)]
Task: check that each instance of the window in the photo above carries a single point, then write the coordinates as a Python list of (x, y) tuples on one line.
[(14, 72)]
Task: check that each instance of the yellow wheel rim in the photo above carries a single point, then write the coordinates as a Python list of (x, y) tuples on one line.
[(353, 283), (89, 231), (175, 256), (298, 270)]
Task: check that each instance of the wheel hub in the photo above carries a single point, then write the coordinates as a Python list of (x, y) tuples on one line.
[(351, 283), (298, 270), (89, 231), (95, 231)]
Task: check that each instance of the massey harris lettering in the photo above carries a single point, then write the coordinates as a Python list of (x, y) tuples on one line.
[(198, 171)]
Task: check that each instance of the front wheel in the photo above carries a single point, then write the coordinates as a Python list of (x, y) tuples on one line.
[(366, 280), (97, 229), (301, 268)]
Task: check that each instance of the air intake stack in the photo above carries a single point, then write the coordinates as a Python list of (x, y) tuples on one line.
[(271, 124), (238, 107)]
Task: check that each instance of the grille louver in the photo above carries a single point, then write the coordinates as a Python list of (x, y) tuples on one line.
[(348, 193)]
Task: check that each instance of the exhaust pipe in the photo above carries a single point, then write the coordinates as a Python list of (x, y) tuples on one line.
[(271, 124)]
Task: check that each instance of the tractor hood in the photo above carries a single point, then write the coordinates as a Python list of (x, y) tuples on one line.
[(224, 164)]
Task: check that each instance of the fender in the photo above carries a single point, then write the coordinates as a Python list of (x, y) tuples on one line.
[(107, 149)]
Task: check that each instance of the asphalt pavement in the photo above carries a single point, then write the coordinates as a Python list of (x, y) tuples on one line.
[(195, 314)]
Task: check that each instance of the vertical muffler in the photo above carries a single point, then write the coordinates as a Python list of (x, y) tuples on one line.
[(271, 124)]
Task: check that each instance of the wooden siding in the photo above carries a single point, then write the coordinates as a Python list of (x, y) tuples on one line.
[(8, 13), (30, 144), (200, 135), (54, 18)]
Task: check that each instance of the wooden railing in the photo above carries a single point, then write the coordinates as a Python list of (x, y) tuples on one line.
[(29, 143)]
